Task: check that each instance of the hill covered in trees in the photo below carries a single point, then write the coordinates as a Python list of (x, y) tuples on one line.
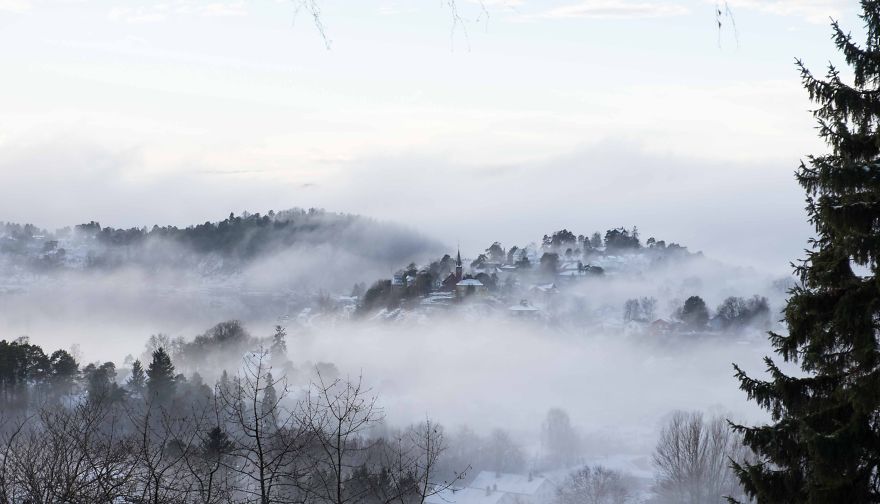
[(226, 245), (601, 281)]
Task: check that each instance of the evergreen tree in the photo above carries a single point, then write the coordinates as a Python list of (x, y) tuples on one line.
[(160, 376), (279, 344), (823, 444), (216, 444), (269, 403), (138, 379)]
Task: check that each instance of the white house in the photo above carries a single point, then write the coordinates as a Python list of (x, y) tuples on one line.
[(491, 487), (470, 286), (521, 489), (471, 496)]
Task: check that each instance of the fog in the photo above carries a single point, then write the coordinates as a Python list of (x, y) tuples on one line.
[(446, 319), (595, 335), (462, 365), (490, 374), (601, 183)]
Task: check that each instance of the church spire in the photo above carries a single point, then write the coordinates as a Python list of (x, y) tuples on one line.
[(458, 268)]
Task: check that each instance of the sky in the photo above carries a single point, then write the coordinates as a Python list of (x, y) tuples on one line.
[(501, 120)]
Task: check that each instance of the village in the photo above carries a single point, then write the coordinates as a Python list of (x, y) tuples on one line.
[(534, 282), (615, 283)]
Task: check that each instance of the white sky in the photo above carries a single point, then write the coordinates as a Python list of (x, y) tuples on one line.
[(583, 114)]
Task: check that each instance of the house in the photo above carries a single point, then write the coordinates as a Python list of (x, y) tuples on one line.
[(545, 289), (661, 326), (398, 281), (448, 283), (451, 281), (470, 496), (410, 280), (470, 286), (524, 310), (491, 487), (438, 299), (521, 488)]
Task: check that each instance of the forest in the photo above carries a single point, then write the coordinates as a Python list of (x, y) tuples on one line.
[(266, 432)]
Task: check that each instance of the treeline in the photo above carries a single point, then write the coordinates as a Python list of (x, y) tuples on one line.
[(565, 245), (78, 435), (245, 235), (233, 240), (733, 313)]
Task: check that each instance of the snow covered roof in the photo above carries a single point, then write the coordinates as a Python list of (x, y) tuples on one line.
[(442, 295), (470, 282), (520, 308), (570, 273), (468, 496), (509, 483), (545, 287)]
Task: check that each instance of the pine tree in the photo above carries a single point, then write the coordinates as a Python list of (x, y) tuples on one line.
[(269, 404), (160, 374), (223, 382), (138, 380), (823, 444), (216, 444), (279, 344)]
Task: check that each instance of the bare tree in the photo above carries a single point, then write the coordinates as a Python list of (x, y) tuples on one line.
[(339, 413), (692, 460), (208, 464), (412, 464), (559, 439), (65, 455), (162, 440), (267, 436), (594, 485), (91, 449)]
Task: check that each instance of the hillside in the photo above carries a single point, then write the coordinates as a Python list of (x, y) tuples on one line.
[(224, 246)]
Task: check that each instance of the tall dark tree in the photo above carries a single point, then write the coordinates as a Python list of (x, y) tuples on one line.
[(64, 371), (694, 313), (160, 375), (138, 380), (823, 444), (496, 252), (279, 343), (216, 444), (550, 263), (100, 381)]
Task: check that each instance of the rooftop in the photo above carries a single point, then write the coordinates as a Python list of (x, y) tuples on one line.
[(507, 482)]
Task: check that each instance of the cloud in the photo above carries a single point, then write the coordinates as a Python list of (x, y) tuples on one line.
[(696, 202), (14, 5), (507, 4), (138, 15), (161, 11), (223, 9), (395, 9), (612, 9), (813, 11)]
